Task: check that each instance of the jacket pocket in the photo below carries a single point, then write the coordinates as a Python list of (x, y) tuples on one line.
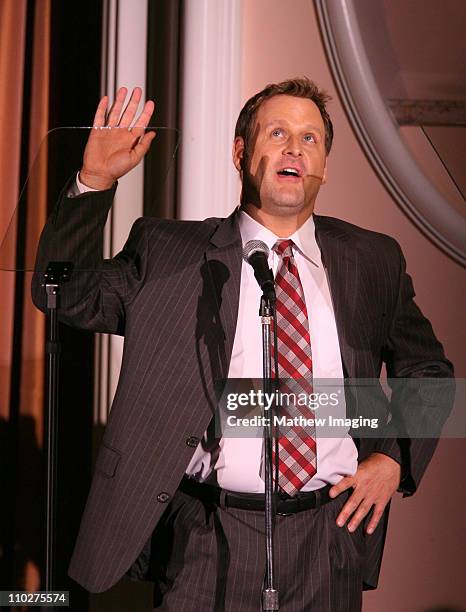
[(107, 461)]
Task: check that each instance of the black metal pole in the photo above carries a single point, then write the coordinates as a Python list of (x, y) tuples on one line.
[(52, 351), (269, 593), (56, 274)]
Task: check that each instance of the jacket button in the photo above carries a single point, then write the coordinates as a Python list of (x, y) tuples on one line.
[(163, 497), (192, 441)]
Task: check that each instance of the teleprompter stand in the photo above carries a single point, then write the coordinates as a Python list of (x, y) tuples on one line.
[(57, 273), (269, 593)]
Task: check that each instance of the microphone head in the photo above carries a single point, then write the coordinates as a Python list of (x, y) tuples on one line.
[(254, 246)]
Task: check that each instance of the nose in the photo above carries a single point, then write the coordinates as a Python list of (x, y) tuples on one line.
[(293, 146)]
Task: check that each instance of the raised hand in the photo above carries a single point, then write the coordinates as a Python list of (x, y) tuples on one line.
[(115, 146)]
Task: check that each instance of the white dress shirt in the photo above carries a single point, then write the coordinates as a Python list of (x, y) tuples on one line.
[(237, 462)]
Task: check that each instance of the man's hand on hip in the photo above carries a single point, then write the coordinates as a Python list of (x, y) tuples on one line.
[(373, 484)]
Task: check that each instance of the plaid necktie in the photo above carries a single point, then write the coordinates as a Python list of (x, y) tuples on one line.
[(296, 444)]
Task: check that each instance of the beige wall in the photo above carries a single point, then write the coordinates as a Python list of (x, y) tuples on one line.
[(421, 567)]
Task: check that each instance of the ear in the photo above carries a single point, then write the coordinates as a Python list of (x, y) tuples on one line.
[(324, 174), (238, 153)]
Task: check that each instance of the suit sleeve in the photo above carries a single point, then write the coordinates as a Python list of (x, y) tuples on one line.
[(421, 381), (96, 296)]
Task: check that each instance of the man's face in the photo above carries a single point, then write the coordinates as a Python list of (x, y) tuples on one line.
[(286, 161)]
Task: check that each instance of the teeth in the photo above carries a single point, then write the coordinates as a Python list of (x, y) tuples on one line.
[(290, 171)]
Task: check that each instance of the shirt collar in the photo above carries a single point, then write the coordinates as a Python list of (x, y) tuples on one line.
[(304, 238)]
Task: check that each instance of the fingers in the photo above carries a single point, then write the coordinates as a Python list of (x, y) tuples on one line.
[(363, 509), (143, 145), (114, 113), (375, 481), (131, 108), (358, 506), (376, 516), (144, 117), (350, 506), (143, 120), (114, 119), (345, 483), (99, 117)]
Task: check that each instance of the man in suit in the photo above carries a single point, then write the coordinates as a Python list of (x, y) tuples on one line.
[(170, 500)]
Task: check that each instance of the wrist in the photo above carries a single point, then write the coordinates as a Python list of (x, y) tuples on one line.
[(392, 464), (95, 181)]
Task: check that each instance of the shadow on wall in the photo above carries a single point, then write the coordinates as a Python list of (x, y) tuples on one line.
[(445, 609)]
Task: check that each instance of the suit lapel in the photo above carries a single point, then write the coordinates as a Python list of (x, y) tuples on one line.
[(224, 259), (341, 261)]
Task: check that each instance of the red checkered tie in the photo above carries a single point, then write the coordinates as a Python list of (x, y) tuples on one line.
[(296, 444)]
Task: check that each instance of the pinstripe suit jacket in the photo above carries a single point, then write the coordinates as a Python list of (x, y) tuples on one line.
[(173, 292)]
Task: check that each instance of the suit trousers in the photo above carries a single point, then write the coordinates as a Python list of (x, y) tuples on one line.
[(211, 558)]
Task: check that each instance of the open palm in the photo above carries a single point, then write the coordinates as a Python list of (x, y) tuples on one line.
[(116, 145)]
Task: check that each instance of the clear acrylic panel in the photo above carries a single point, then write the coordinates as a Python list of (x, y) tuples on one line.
[(55, 165)]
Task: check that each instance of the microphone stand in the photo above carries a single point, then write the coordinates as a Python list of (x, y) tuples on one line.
[(57, 272), (269, 593)]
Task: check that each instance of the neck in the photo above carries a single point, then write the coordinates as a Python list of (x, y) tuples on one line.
[(281, 226)]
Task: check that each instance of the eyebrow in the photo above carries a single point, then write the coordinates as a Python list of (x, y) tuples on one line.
[(308, 126)]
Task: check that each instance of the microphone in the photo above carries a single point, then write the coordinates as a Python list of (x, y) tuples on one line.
[(255, 253)]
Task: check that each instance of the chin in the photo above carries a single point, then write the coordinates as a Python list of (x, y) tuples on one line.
[(294, 198), (286, 210), (292, 205)]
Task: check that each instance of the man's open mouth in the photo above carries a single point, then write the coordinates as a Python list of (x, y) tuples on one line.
[(289, 171)]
